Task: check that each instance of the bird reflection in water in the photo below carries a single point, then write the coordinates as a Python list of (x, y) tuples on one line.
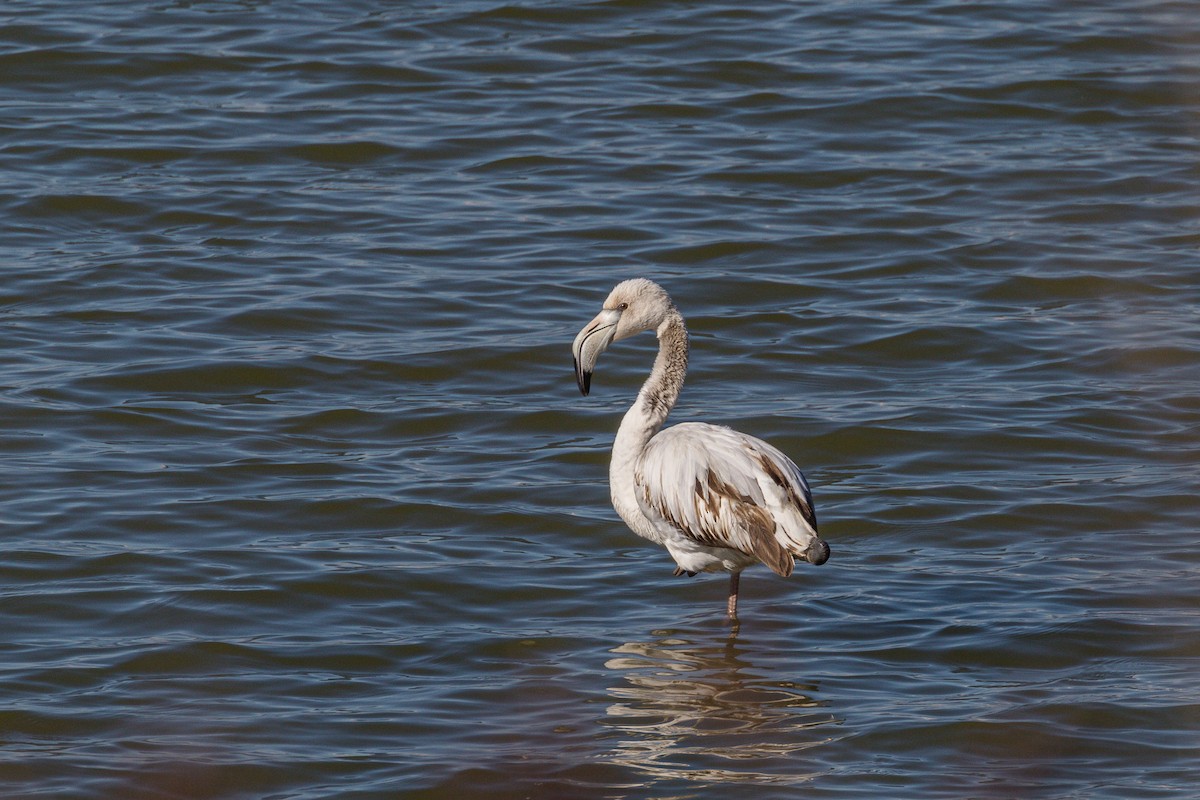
[(688, 709)]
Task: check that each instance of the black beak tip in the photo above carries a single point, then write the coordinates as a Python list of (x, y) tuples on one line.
[(583, 380)]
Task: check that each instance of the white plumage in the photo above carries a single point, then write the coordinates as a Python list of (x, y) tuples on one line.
[(717, 499)]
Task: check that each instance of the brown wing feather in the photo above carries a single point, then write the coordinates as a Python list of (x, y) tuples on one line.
[(749, 527), (704, 481), (800, 499)]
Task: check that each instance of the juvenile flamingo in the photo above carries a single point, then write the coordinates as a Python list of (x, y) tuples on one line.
[(717, 499)]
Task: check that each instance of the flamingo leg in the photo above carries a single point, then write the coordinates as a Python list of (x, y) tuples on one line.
[(733, 592)]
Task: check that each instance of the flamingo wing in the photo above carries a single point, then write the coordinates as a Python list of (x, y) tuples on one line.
[(721, 488)]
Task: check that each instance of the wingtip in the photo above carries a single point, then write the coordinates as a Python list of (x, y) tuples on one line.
[(818, 553)]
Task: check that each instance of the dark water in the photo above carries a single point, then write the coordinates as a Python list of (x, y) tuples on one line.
[(299, 499)]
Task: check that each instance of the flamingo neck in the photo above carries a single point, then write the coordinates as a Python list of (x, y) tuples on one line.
[(645, 418), (660, 391)]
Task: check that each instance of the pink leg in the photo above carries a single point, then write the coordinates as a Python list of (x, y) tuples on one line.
[(733, 591)]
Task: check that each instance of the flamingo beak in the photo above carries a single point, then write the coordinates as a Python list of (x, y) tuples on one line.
[(593, 340)]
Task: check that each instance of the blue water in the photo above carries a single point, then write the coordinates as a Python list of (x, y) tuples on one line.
[(299, 498)]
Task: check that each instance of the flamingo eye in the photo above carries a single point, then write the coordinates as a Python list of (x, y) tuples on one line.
[(622, 306)]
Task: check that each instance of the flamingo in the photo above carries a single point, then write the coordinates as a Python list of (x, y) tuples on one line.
[(716, 499)]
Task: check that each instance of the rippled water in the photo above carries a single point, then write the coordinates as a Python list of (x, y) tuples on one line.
[(299, 497)]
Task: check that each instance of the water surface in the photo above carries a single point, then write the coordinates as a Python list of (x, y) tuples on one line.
[(300, 500)]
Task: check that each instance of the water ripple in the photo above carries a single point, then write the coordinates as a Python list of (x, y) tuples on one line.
[(301, 499)]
